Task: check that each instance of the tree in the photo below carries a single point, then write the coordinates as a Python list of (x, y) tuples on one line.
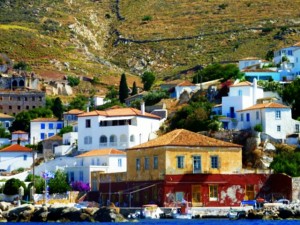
[(134, 89), (123, 89), (59, 184), (154, 97), (287, 162), (290, 95), (3, 132), (111, 94), (73, 81), (79, 102), (218, 71), (11, 187), (148, 79), (57, 108), (22, 66), (39, 183)]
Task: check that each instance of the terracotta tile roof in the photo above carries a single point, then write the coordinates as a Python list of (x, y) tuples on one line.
[(74, 112), (19, 132), (45, 120), (186, 83), (2, 115), (249, 58), (265, 105), (114, 112), (182, 137), (101, 152), (54, 138), (16, 148), (297, 44), (243, 83)]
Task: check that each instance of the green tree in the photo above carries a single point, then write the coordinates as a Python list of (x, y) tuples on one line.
[(79, 102), (11, 187), (59, 184), (3, 132), (39, 183), (134, 89), (218, 71), (154, 97), (148, 79), (287, 162), (65, 130), (290, 95), (57, 108), (22, 66), (111, 94), (73, 81), (123, 89)]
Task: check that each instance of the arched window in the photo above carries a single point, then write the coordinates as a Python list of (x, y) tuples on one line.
[(21, 83), (103, 140), (87, 140), (132, 139), (113, 140), (14, 83)]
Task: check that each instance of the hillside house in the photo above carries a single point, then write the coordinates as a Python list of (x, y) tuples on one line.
[(71, 118), (49, 145), (276, 120), (183, 165), (20, 137), (118, 128), (101, 160), (16, 156), (6, 121), (43, 128)]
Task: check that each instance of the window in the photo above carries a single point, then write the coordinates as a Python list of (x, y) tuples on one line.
[(59, 125), (10, 107), (242, 116), (278, 114), (240, 92), (214, 162), (131, 138), (93, 161), (42, 136), (138, 164), (180, 162), (51, 126), (179, 196), (119, 162), (80, 175), (103, 124), (50, 134), (113, 140), (155, 162), (278, 128), (103, 140), (72, 177), (248, 117), (250, 191), (87, 140), (43, 126), (88, 123), (147, 163), (196, 164), (257, 115), (213, 192), (19, 107), (98, 162), (297, 128), (33, 99), (25, 157)]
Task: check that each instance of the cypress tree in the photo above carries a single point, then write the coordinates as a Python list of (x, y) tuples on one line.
[(57, 108), (123, 89), (134, 89)]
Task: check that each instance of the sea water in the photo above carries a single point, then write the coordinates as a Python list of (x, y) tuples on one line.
[(181, 222)]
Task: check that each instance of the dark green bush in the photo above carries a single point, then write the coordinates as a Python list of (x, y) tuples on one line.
[(11, 187)]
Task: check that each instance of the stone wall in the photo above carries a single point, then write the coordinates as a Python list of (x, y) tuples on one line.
[(296, 189)]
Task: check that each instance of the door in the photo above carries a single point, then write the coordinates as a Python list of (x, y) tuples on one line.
[(196, 196)]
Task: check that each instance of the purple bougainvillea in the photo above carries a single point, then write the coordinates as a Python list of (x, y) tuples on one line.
[(80, 186)]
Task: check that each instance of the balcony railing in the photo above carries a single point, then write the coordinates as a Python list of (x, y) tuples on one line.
[(231, 115)]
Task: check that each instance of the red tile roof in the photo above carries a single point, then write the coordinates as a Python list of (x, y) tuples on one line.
[(264, 105), (114, 112), (16, 148), (19, 132), (186, 83), (54, 138), (101, 152), (182, 137), (74, 112), (243, 83), (45, 120)]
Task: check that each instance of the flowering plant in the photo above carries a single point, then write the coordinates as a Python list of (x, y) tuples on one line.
[(80, 186)]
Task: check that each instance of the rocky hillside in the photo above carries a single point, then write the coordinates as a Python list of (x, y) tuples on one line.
[(100, 38)]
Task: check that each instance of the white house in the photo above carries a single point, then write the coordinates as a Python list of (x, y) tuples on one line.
[(6, 121), (16, 156), (276, 119), (68, 145), (106, 160), (249, 62), (241, 95), (43, 128), (119, 128), (71, 117), (289, 59), (20, 136), (185, 86)]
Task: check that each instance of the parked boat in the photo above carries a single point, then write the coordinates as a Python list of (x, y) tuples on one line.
[(184, 212), (151, 211), (235, 214)]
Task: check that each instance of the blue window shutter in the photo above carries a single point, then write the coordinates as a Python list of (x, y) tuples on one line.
[(43, 126)]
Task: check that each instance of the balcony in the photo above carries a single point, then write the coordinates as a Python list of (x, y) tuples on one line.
[(231, 115)]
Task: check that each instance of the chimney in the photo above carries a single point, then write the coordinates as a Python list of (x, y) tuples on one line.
[(254, 91), (143, 107)]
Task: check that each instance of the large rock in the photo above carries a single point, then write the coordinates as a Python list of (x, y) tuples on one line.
[(21, 213)]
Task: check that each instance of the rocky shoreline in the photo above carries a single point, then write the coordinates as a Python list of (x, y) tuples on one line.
[(67, 213)]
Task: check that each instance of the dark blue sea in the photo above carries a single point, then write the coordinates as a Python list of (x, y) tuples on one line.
[(185, 222)]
